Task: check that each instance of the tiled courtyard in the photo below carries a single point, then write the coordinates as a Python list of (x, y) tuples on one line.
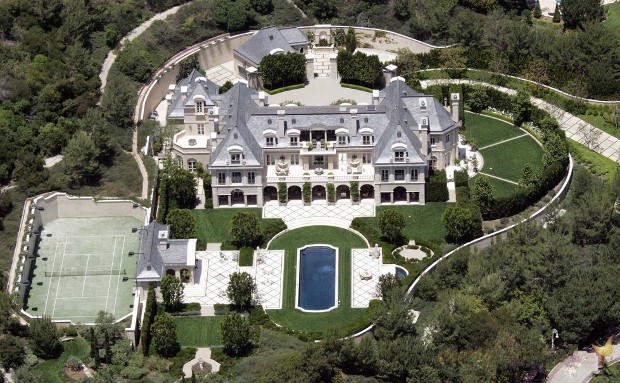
[(365, 271), (295, 214)]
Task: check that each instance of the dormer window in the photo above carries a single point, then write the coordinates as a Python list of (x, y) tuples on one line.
[(400, 152), (235, 158), (366, 139), (399, 156), (200, 107), (343, 136), (294, 141), (270, 141)]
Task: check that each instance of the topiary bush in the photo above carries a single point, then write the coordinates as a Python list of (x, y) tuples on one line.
[(436, 188)]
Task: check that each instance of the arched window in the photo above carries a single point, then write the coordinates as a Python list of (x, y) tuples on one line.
[(191, 164)]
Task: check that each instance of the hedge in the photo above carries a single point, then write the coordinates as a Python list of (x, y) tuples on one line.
[(353, 86), (461, 178), (437, 187), (283, 70), (283, 89), (246, 256), (360, 68), (272, 228)]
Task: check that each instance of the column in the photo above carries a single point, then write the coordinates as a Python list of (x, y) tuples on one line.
[(245, 200), (392, 197)]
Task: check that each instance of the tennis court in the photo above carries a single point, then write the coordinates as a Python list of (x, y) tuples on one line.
[(82, 266)]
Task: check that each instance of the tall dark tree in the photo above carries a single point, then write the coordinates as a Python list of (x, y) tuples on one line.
[(12, 352), (172, 292), (240, 289), (576, 13), (44, 338), (245, 229), (235, 331), (182, 223), (391, 223), (165, 336)]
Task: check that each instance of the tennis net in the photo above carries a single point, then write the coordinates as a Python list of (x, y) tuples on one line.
[(71, 272)]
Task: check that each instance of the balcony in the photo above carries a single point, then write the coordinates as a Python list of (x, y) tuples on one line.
[(319, 174), (190, 144)]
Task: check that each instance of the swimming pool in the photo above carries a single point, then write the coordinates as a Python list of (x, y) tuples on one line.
[(401, 272), (317, 278)]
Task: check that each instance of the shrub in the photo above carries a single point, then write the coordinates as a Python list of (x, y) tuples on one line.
[(272, 228), (74, 364), (437, 187), (71, 331), (461, 178), (359, 69), (282, 195), (462, 194), (283, 70), (331, 193), (307, 192), (556, 14), (355, 191), (246, 256)]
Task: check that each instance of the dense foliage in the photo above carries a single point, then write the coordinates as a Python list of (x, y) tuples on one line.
[(359, 68), (281, 70)]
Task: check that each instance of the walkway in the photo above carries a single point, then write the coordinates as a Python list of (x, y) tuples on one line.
[(575, 128), (202, 355), (579, 367), (295, 214)]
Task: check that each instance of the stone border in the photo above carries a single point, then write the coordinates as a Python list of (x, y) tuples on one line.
[(316, 224), (298, 268)]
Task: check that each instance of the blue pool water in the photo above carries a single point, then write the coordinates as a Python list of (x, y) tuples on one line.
[(317, 278), (401, 273)]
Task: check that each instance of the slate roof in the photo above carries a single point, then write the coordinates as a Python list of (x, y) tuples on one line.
[(208, 89), (264, 41), (180, 252), (294, 36)]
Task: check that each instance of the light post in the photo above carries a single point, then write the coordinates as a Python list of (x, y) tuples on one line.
[(554, 335)]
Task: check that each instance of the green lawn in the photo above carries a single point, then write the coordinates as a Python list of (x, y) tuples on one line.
[(342, 316), (52, 370), (213, 225), (597, 163), (508, 159), (500, 188), (420, 220), (198, 331), (613, 18), (486, 130)]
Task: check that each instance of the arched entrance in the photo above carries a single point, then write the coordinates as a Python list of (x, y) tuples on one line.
[(400, 194), (367, 191), (236, 196), (270, 193), (294, 192), (343, 192), (318, 193), (171, 272)]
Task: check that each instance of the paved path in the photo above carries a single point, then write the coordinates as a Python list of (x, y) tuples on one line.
[(205, 355), (295, 214), (575, 128), (501, 142), (580, 367), (499, 178), (111, 57)]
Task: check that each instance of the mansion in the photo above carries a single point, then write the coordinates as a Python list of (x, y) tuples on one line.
[(250, 146)]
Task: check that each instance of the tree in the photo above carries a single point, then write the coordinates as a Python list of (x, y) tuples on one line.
[(172, 292), (537, 11), (462, 222), (454, 60), (389, 286), (25, 374), (557, 17), (482, 193), (44, 338), (187, 65), (165, 336), (177, 189), (391, 223), (576, 13), (235, 331), (80, 160), (12, 352), (121, 352), (182, 223), (234, 15), (521, 108), (350, 40), (324, 9), (245, 229), (283, 70), (30, 171), (150, 310), (262, 6), (555, 150), (477, 99), (225, 87), (240, 289), (529, 178)]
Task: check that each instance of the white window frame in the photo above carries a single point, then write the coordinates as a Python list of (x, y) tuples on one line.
[(251, 178), (294, 140), (294, 159), (342, 140), (236, 178), (399, 174), (399, 156), (200, 107), (201, 128), (433, 143), (447, 137), (270, 159), (367, 139), (235, 158), (414, 174), (221, 178), (270, 141), (385, 175), (191, 165), (367, 158)]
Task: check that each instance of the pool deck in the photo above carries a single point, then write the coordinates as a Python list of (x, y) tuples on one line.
[(365, 273)]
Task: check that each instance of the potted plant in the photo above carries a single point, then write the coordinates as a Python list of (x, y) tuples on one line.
[(474, 164), (473, 144), (309, 145), (282, 193), (355, 192), (330, 175), (331, 194), (307, 193), (306, 175)]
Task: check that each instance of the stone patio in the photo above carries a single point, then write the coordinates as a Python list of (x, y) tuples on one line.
[(295, 214), (365, 271)]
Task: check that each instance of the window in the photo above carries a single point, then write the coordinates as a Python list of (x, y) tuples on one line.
[(201, 128), (385, 175), (399, 156), (366, 158), (294, 140), (294, 159), (270, 140), (236, 177), (414, 174), (366, 139), (270, 159), (342, 140), (191, 165), (319, 160), (399, 175), (221, 178), (235, 158), (432, 141), (199, 107), (448, 137), (251, 178)]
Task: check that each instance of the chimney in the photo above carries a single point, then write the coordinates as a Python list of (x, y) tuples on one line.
[(162, 240), (281, 123), (455, 106), (423, 130), (262, 99), (375, 97), (353, 122)]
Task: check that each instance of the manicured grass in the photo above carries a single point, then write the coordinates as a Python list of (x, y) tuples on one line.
[(213, 225), (614, 370), (198, 331), (420, 220), (487, 131), (52, 370), (500, 188), (613, 18), (507, 160), (343, 315), (597, 163)]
